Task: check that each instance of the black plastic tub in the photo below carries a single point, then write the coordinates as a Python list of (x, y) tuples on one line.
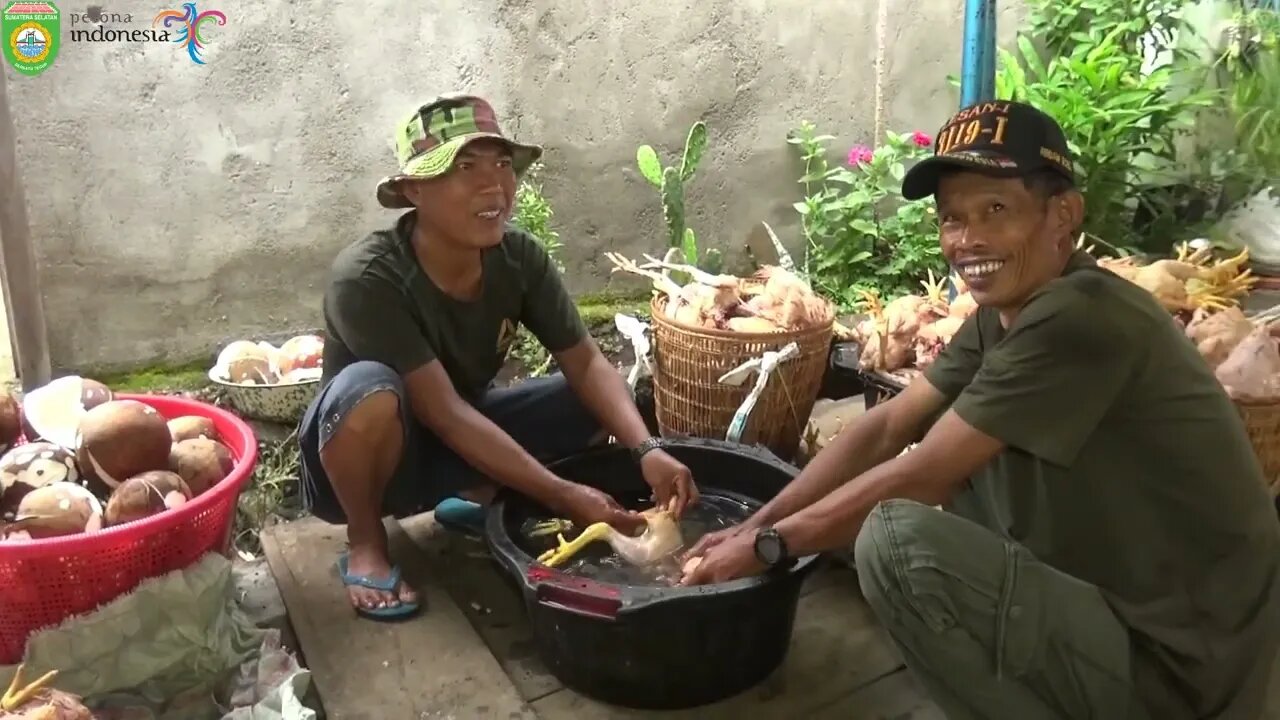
[(656, 647)]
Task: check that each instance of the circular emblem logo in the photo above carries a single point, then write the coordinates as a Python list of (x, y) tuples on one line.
[(30, 42)]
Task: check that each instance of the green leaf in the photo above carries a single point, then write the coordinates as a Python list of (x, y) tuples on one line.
[(1031, 57), (863, 226), (898, 171), (650, 166)]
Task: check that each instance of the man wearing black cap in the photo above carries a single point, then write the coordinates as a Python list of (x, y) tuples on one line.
[(1108, 548)]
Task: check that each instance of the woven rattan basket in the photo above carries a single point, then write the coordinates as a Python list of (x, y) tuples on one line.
[(690, 399), (1262, 421)]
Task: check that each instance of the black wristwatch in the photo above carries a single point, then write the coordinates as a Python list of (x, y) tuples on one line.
[(647, 444), (770, 548)]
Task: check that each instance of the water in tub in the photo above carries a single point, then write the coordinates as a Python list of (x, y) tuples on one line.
[(599, 562)]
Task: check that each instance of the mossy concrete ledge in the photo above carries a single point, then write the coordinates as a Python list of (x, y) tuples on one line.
[(597, 310)]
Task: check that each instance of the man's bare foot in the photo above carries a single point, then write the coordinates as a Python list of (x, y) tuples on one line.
[(371, 561)]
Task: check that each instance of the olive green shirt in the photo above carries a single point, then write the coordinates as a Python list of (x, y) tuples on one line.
[(1127, 466), (381, 306)]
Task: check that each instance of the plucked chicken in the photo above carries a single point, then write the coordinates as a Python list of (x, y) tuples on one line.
[(1216, 334), (911, 330), (1251, 371), (660, 540), (772, 299)]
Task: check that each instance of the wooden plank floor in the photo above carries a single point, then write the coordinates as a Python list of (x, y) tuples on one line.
[(431, 666)]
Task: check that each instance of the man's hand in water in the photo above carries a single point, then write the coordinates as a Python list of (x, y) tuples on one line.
[(670, 480), (732, 558), (586, 506), (713, 539)]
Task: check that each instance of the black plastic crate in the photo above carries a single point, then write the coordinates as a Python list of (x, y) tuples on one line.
[(843, 377), (879, 387)]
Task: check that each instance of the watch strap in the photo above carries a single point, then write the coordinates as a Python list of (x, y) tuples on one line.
[(647, 444)]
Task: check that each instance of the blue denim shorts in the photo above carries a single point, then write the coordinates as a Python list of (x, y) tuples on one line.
[(542, 414)]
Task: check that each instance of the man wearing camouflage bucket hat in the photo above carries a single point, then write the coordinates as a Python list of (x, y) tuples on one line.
[(419, 318), (1107, 546)]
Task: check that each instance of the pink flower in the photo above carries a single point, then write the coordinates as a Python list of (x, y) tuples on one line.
[(859, 154), (921, 139)]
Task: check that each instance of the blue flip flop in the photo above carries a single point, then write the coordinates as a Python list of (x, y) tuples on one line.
[(461, 516), (390, 585)]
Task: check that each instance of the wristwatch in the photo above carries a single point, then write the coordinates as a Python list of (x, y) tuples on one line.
[(647, 444), (770, 548)]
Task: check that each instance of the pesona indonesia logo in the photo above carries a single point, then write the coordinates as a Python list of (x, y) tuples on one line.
[(31, 37), (190, 24), (186, 27)]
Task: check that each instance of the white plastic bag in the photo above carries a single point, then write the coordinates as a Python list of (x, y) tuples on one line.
[(764, 367)]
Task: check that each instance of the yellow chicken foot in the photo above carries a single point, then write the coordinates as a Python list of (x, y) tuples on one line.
[(567, 549), (549, 527), (15, 696)]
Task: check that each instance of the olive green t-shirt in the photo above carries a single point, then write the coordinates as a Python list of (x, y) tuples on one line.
[(1128, 467), (381, 306)]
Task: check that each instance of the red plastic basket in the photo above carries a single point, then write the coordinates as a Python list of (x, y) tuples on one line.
[(43, 582)]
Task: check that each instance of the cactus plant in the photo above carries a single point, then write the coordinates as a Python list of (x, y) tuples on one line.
[(670, 182)]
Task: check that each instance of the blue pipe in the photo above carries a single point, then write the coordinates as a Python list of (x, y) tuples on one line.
[(978, 64)]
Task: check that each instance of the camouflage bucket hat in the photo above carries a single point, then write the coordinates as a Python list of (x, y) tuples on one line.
[(428, 141)]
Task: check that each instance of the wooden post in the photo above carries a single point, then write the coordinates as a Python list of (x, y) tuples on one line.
[(18, 273)]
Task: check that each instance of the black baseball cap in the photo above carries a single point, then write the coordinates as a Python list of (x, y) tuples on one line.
[(999, 138)]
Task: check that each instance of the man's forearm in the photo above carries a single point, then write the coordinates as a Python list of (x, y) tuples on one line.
[(489, 449), (834, 521), (605, 394), (861, 446)]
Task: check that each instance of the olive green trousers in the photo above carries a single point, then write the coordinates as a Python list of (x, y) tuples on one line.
[(990, 631)]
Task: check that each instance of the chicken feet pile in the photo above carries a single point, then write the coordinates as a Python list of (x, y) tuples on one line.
[(1189, 282)]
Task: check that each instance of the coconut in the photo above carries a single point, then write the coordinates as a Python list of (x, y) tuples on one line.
[(201, 462), (31, 466), (58, 509), (251, 371), (53, 411), (192, 426), (146, 494), (243, 349), (10, 420), (120, 439), (246, 363)]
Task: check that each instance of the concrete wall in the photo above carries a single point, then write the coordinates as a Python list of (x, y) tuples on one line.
[(177, 206)]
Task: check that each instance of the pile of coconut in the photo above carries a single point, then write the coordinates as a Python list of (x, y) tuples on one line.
[(244, 362), (77, 459)]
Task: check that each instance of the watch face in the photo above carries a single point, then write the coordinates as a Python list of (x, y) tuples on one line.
[(769, 548)]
